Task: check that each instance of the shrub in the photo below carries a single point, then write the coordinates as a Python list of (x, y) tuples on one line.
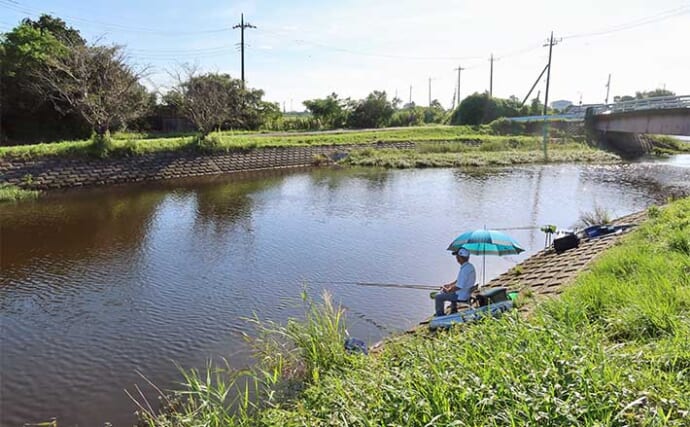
[(12, 193), (101, 145), (208, 143), (504, 126), (598, 216)]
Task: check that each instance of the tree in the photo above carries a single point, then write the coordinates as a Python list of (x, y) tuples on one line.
[(374, 111), (23, 51), (623, 98), (435, 113), (476, 109), (330, 111), (536, 108), (480, 108), (96, 82), (644, 95), (57, 28), (217, 101), (654, 93)]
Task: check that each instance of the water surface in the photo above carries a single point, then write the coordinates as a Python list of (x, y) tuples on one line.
[(98, 285)]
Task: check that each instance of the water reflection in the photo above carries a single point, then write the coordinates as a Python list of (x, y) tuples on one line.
[(96, 285)]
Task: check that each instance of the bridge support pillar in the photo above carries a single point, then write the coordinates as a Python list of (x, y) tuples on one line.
[(628, 145)]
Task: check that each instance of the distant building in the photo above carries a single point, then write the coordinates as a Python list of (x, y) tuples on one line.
[(561, 104)]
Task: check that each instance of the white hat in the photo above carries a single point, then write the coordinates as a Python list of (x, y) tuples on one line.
[(462, 252)]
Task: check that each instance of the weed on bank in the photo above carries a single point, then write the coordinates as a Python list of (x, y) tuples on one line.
[(613, 350)]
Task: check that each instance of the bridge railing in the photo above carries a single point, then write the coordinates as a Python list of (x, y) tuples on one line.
[(657, 103)]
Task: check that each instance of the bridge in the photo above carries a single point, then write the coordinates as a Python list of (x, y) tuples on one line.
[(620, 126)]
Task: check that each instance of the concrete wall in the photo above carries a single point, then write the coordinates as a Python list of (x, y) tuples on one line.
[(628, 145), (662, 122), (60, 172)]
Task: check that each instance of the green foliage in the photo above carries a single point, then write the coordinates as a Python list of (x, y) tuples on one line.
[(288, 123), (101, 145), (24, 50), (209, 143), (288, 358), (214, 101), (462, 155), (147, 143), (12, 193), (480, 108), (613, 350), (413, 116), (644, 94), (373, 112), (503, 126), (330, 111), (663, 145)]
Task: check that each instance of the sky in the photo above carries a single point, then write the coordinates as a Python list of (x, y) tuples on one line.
[(308, 49)]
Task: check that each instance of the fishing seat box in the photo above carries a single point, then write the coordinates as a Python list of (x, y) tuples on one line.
[(492, 296), (566, 242)]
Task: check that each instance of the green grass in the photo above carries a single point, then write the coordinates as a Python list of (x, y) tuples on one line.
[(135, 144), (12, 193), (494, 152), (614, 350), (664, 145)]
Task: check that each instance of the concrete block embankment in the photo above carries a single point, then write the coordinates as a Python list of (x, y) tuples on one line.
[(52, 172)]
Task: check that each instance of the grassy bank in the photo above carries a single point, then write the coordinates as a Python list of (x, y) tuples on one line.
[(12, 193), (134, 144), (499, 153), (613, 350), (664, 145)]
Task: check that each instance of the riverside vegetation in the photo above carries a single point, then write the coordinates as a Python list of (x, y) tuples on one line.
[(125, 144), (500, 152), (12, 193), (491, 140), (612, 350)]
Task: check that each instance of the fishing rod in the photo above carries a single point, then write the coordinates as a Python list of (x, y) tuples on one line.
[(374, 284)]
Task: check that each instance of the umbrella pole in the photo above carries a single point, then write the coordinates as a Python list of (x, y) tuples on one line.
[(483, 266)]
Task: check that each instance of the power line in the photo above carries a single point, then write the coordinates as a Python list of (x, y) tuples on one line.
[(662, 16), (365, 53), (7, 4)]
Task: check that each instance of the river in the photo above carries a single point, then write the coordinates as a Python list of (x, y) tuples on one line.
[(98, 285)]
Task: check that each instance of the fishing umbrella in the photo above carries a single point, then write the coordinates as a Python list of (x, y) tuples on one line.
[(486, 242)]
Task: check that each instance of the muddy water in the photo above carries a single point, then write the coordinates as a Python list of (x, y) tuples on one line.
[(98, 285)]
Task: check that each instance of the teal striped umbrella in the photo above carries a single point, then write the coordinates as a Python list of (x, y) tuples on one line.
[(486, 242)]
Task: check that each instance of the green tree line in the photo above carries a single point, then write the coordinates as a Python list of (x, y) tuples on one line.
[(57, 85)]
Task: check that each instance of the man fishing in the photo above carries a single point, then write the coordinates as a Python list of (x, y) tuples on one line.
[(460, 289)]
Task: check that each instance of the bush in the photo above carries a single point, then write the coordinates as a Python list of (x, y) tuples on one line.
[(101, 145), (503, 126), (208, 143)]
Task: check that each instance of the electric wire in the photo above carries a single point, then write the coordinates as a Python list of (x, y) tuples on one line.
[(8, 4)]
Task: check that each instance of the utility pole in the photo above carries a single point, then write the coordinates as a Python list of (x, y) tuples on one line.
[(608, 88), (410, 94), (459, 70), (242, 25), (548, 72), (546, 96), (491, 77)]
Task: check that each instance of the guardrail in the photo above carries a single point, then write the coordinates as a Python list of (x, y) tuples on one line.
[(573, 117), (658, 103)]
